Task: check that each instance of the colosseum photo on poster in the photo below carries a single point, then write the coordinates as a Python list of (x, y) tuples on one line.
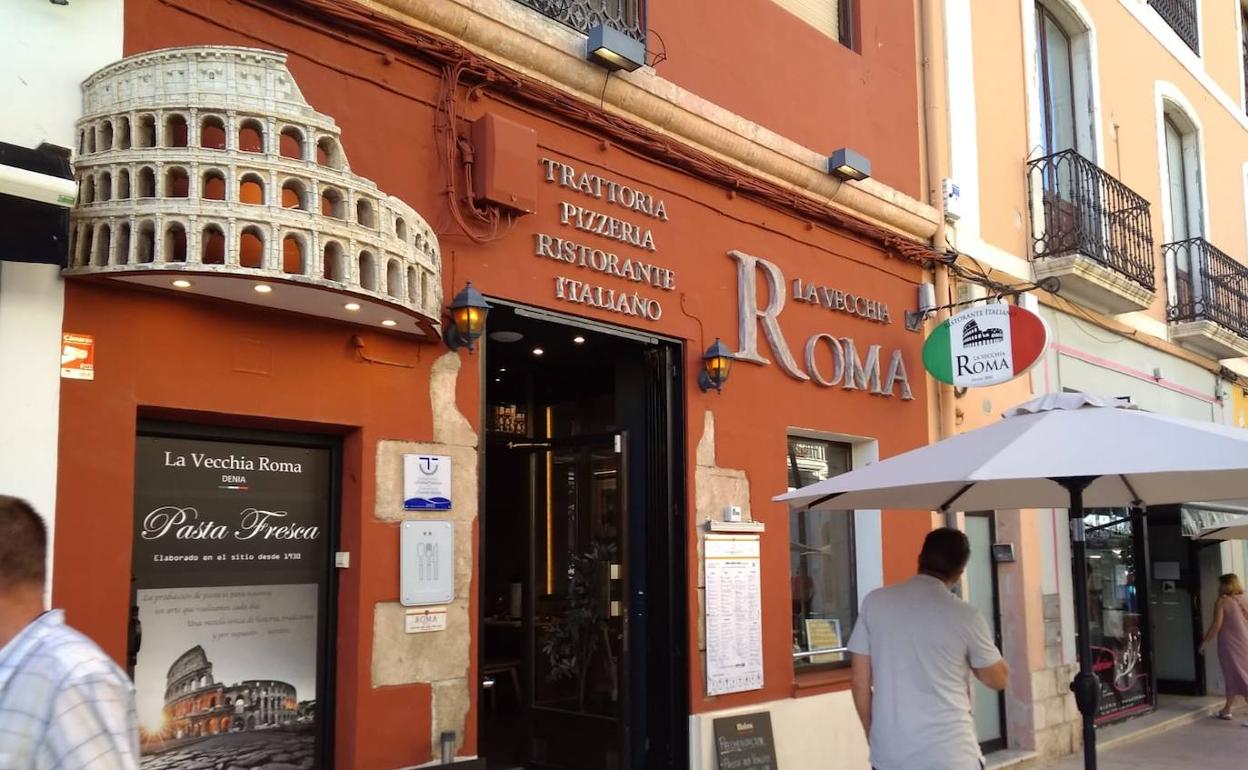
[(226, 672)]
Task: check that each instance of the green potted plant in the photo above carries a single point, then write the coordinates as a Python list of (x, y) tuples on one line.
[(571, 641)]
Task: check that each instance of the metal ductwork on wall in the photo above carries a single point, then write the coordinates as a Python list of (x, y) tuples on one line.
[(36, 190)]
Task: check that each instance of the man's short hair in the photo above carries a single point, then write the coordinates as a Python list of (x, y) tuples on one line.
[(23, 543), (945, 553)]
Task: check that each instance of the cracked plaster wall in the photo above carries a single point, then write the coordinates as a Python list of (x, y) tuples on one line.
[(714, 489), (440, 659)]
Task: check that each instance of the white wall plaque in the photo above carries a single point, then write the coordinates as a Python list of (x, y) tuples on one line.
[(734, 618), (426, 483), (424, 621), (426, 563)]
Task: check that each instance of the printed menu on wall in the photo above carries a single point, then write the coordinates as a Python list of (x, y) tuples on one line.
[(230, 564), (734, 621)]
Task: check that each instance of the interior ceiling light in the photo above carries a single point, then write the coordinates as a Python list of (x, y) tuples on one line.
[(182, 283), (352, 306), (506, 336), (264, 288), (538, 351), (502, 369), (389, 322), (578, 339)]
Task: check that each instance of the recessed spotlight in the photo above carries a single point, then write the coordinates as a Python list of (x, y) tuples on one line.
[(389, 322), (352, 306), (263, 288), (502, 369), (578, 339), (498, 379), (538, 351), (182, 283)]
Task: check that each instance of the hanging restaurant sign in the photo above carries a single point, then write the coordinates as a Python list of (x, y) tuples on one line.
[(985, 345)]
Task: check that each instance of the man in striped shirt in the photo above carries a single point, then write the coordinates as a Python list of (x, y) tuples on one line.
[(64, 704)]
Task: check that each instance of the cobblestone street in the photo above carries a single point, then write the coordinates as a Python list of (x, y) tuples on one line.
[(1208, 744), (272, 751)]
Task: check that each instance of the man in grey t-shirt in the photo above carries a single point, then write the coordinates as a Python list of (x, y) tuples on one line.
[(913, 649)]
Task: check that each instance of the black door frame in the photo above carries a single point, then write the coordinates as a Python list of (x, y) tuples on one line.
[(995, 744), (672, 753), (327, 632)]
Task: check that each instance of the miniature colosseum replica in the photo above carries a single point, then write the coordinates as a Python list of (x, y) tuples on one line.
[(204, 170)]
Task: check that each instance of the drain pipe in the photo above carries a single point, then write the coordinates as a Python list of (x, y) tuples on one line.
[(936, 165)]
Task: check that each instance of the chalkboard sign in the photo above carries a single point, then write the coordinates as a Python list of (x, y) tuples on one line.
[(745, 741)]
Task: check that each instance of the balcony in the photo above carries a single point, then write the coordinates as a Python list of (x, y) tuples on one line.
[(1209, 310), (1181, 16), (627, 16), (1092, 232)]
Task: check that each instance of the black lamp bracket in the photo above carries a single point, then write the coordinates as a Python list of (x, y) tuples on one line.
[(915, 318)]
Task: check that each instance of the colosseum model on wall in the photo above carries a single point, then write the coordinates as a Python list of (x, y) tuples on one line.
[(205, 170)]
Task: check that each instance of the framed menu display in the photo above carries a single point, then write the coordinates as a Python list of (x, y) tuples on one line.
[(734, 622)]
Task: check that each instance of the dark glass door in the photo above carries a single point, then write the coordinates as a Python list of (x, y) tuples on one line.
[(1174, 599), (1118, 612), (579, 606)]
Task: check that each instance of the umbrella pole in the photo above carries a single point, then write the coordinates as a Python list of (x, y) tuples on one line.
[(1086, 687)]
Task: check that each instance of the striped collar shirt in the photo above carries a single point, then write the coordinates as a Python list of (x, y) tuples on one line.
[(64, 704)]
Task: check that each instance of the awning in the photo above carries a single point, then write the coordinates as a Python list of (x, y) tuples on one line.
[(1200, 517), (36, 189)]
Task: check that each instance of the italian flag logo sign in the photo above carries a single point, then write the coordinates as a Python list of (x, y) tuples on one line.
[(985, 345)]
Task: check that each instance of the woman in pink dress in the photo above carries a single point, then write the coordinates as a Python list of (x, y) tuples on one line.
[(1230, 625)]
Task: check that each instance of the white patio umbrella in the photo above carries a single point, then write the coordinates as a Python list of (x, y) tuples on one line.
[(1064, 450)]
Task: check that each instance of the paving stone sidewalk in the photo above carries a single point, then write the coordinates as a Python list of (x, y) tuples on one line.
[(1206, 744), (241, 751)]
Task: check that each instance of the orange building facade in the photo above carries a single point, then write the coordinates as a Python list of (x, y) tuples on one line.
[(238, 472)]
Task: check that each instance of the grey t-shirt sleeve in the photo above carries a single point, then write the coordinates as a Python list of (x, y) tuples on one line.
[(981, 650), (860, 637)]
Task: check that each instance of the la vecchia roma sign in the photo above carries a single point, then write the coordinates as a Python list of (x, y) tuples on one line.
[(985, 345)]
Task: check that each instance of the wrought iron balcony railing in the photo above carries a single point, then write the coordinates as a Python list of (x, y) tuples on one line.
[(1084, 210), (1181, 16), (1209, 286), (627, 16)]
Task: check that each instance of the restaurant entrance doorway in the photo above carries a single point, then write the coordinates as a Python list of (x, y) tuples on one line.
[(582, 613)]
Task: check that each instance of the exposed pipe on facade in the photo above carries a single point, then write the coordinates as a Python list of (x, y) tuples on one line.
[(936, 131)]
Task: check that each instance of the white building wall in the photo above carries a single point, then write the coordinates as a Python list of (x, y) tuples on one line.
[(48, 51), (810, 732)]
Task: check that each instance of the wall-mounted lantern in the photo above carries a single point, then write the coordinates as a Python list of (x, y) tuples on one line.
[(611, 48), (849, 164), (716, 363), (468, 312)]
